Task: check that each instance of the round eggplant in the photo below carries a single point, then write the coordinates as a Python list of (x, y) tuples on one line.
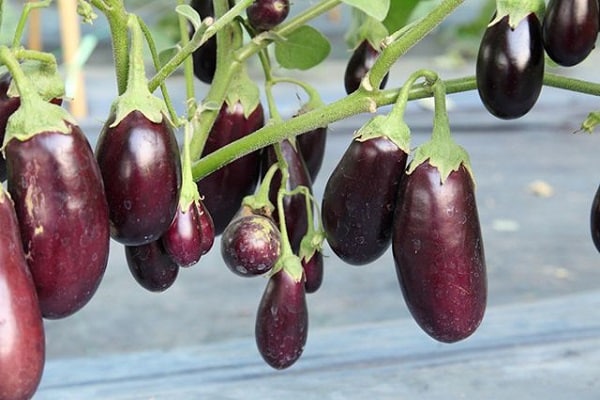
[(359, 64), (264, 15), (151, 266), (438, 252), (359, 199), (141, 168), (63, 215)]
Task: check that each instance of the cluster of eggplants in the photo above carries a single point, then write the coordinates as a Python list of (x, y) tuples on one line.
[(361, 61), (510, 67), (438, 252), (22, 336), (359, 198), (570, 29), (224, 189), (60, 202), (264, 15)]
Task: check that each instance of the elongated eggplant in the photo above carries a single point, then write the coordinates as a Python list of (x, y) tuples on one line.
[(361, 62), (570, 29), (22, 340), (282, 321), (62, 210), (141, 168), (294, 206), (595, 219), (438, 252), (312, 148), (313, 272), (224, 189), (359, 199), (151, 266), (510, 67), (207, 227)]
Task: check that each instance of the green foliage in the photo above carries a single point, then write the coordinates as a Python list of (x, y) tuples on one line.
[(377, 9), (303, 49)]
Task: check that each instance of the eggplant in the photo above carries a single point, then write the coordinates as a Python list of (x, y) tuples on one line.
[(250, 245), (22, 339), (281, 326), (595, 219), (313, 272), (264, 15), (312, 148), (141, 169), (438, 252), (151, 266), (224, 189), (361, 62), (570, 29), (510, 67), (63, 216), (294, 206), (207, 227), (359, 199)]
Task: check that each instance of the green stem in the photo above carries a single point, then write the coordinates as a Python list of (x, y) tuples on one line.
[(24, 17), (25, 88), (117, 18), (412, 36), (399, 107), (25, 54), (571, 84), (188, 66)]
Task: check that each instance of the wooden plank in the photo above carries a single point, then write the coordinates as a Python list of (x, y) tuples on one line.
[(548, 349)]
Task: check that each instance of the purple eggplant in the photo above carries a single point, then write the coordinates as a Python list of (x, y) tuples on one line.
[(359, 199), (438, 252), (151, 266), (59, 199), (264, 15), (361, 62), (294, 206), (595, 219), (141, 168), (250, 245), (224, 189), (22, 340), (313, 272), (282, 321), (207, 227), (312, 147)]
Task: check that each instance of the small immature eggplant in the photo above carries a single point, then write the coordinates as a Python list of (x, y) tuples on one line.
[(264, 15), (60, 202), (294, 206), (250, 245), (595, 219), (313, 272), (359, 64), (570, 29), (438, 252), (22, 340), (282, 321), (510, 67), (359, 199), (151, 266), (141, 168), (312, 148), (224, 189), (205, 57), (207, 227)]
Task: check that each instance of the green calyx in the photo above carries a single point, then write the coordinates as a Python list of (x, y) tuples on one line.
[(517, 10), (243, 90), (290, 264), (259, 201), (364, 27), (48, 82), (189, 190), (137, 96), (395, 130)]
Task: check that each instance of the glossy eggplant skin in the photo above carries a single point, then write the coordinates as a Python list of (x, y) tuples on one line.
[(282, 321), (359, 199), (22, 339), (570, 29), (224, 189), (207, 227), (264, 15), (595, 219), (510, 67), (438, 253), (151, 266), (312, 146), (361, 61), (183, 240), (296, 219), (313, 272), (141, 169), (8, 105), (63, 215)]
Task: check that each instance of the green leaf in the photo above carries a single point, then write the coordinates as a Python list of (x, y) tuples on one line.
[(304, 48), (364, 27), (377, 9), (399, 14), (190, 14)]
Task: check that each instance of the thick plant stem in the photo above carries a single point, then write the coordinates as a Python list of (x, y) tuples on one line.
[(117, 21)]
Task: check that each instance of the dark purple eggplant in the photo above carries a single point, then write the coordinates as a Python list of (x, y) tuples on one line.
[(250, 245), (183, 240), (438, 252), (510, 67), (22, 339), (282, 321), (313, 272), (312, 147), (207, 227), (224, 189), (264, 15), (296, 219), (141, 168), (59, 199), (359, 199), (151, 266), (570, 29), (595, 219), (361, 62)]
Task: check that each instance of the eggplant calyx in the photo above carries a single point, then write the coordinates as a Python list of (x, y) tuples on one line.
[(517, 10), (397, 131), (289, 263)]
